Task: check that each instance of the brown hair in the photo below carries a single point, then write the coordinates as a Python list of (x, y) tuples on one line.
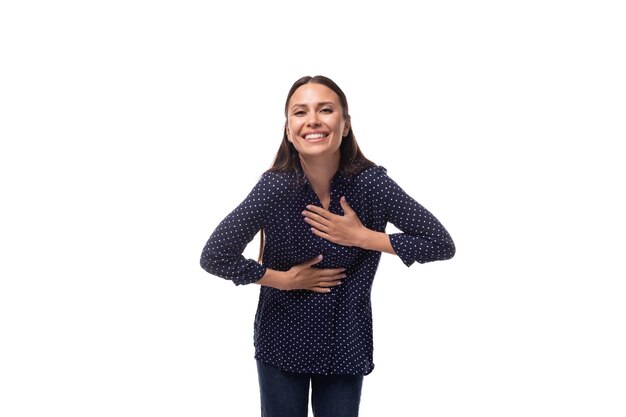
[(352, 160)]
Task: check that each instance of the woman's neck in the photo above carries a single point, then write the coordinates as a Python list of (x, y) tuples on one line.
[(320, 172)]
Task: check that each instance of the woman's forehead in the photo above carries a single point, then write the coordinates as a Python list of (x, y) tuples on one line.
[(313, 93)]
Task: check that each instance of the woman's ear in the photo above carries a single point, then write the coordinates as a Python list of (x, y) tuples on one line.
[(346, 128), (288, 133)]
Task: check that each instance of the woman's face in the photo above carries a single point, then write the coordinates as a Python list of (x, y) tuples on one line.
[(315, 120)]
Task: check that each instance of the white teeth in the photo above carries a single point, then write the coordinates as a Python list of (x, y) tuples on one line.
[(315, 136)]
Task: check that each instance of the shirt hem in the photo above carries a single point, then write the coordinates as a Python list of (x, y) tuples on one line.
[(310, 370)]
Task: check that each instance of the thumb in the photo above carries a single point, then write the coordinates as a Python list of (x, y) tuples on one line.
[(344, 205), (314, 260)]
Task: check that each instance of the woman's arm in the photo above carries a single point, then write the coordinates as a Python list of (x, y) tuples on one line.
[(346, 230), (223, 253), (304, 277), (423, 238)]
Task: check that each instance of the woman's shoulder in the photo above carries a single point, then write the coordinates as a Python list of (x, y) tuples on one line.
[(276, 181), (277, 177), (370, 175), (370, 182)]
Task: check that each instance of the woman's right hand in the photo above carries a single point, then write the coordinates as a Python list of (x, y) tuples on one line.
[(304, 277)]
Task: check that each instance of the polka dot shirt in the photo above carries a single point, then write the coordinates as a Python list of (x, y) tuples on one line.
[(304, 331)]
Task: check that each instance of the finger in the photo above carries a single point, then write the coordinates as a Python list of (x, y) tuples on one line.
[(314, 260), (330, 283), (319, 210), (327, 272), (314, 216), (320, 290), (316, 224), (330, 278), (321, 234), (345, 206)]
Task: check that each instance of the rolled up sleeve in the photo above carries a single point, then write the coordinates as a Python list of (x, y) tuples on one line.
[(223, 253), (423, 238)]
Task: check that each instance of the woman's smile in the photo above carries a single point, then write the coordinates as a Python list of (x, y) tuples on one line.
[(315, 136)]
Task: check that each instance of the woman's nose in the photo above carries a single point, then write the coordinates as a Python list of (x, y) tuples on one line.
[(313, 120)]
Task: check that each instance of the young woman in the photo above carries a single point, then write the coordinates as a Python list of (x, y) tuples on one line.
[(321, 209)]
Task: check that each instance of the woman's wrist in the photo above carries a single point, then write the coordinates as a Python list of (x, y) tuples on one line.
[(373, 240), (274, 279)]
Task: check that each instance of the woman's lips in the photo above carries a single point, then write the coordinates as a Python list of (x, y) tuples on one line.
[(315, 137)]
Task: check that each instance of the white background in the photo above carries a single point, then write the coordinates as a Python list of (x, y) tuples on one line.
[(131, 128)]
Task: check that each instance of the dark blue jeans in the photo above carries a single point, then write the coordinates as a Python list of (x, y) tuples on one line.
[(286, 394)]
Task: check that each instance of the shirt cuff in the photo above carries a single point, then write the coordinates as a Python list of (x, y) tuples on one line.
[(255, 273), (403, 248)]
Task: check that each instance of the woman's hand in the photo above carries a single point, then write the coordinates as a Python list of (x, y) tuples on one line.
[(304, 277), (346, 230)]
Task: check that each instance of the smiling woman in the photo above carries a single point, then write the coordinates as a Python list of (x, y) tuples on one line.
[(322, 209), (316, 123)]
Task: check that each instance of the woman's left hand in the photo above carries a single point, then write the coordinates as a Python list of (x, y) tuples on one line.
[(346, 230)]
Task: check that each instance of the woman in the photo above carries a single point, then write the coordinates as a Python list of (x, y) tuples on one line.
[(322, 209)]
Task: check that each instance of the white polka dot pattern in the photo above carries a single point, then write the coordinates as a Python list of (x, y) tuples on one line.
[(304, 331)]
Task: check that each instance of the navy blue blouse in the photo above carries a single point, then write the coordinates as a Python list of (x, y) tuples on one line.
[(301, 330)]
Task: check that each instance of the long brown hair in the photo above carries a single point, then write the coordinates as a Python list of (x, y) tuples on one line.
[(352, 160)]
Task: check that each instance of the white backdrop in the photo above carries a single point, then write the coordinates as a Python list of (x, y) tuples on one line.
[(131, 128)]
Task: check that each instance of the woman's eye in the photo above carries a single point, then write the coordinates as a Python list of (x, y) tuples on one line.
[(327, 110), (299, 113)]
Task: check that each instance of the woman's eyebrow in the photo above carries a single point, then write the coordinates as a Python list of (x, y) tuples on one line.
[(321, 103)]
